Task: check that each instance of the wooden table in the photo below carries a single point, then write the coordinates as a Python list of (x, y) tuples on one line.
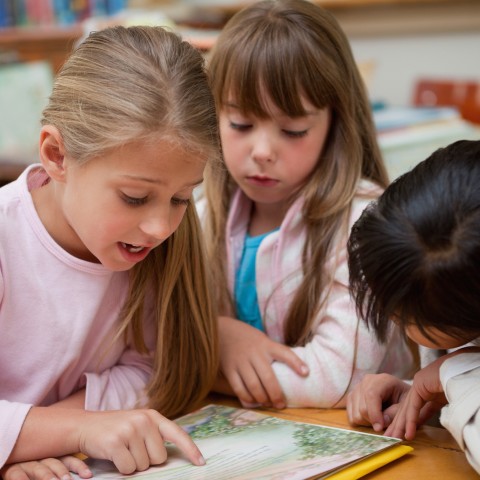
[(435, 454)]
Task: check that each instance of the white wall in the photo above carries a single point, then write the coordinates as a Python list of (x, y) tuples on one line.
[(400, 60)]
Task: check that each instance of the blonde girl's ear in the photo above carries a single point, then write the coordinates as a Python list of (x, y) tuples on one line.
[(52, 152)]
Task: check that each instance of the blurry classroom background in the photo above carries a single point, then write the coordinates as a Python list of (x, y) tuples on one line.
[(419, 60)]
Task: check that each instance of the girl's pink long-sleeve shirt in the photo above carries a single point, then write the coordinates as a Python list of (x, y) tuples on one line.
[(58, 317)]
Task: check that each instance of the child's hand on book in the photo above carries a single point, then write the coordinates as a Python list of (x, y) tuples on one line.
[(374, 401), (49, 468), (133, 439), (246, 357), (425, 398)]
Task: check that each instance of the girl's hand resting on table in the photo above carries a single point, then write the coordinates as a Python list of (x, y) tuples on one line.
[(48, 469), (374, 401), (246, 357)]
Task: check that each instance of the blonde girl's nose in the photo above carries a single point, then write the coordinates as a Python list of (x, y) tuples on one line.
[(157, 225)]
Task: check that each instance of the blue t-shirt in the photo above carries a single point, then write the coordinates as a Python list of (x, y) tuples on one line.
[(246, 301)]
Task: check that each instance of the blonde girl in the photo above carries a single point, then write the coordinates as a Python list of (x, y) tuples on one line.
[(104, 295), (302, 162)]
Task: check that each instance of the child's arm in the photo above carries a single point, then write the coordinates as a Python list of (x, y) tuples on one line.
[(341, 350), (51, 468), (76, 400), (460, 377), (132, 440), (426, 394), (424, 398), (340, 353), (122, 385), (246, 357), (375, 399)]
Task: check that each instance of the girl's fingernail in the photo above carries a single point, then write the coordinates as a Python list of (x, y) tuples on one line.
[(201, 461), (304, 370), (377, 427)]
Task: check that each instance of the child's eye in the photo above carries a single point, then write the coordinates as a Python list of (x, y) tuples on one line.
[(295, 134), (181, 201), (134, 201), (242, 127)]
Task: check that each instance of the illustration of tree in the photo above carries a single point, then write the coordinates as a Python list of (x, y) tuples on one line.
[(314, 441)]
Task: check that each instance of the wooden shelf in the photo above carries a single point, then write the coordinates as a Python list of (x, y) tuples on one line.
[(51, 43), (367, 18), (405, 17), (357, 17), (380, 17)]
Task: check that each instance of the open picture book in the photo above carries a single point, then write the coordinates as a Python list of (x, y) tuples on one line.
[(243, 444)]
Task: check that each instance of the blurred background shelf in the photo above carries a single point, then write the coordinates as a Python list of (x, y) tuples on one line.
[(397, 44)]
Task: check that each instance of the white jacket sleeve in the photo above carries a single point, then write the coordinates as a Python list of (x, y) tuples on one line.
[(340, 353), (460, 377), (342, 349)]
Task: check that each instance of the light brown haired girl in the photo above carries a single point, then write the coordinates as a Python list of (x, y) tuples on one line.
[(302, 162)]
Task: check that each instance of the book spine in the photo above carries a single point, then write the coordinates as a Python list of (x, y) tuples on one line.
[(6, 13), (115, 6), (98, 8), (80, 9), (19, 13), (64, 15)]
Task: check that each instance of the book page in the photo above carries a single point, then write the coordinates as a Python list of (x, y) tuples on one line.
[(244, 445)]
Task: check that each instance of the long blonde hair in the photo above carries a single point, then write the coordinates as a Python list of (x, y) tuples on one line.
[(144, 83), (291, 49)]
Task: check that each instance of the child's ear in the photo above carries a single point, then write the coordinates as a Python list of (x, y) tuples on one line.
[(52, 152)]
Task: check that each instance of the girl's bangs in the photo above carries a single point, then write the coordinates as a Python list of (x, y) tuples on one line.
[(270, 68)]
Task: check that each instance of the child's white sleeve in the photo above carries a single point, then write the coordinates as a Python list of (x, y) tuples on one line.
[(460, 377)]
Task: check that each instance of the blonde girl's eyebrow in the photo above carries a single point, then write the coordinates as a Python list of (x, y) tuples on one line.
[(158, 181)]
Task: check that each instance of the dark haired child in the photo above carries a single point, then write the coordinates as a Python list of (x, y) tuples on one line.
[(414, 260)]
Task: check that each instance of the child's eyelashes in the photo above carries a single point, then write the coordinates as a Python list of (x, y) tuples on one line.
[(134, 201), (137, 202), (245, 127), (181, 201), (295, 134), (242, 127)]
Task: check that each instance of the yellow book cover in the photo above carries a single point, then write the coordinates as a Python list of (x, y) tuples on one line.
[(370, 464)]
